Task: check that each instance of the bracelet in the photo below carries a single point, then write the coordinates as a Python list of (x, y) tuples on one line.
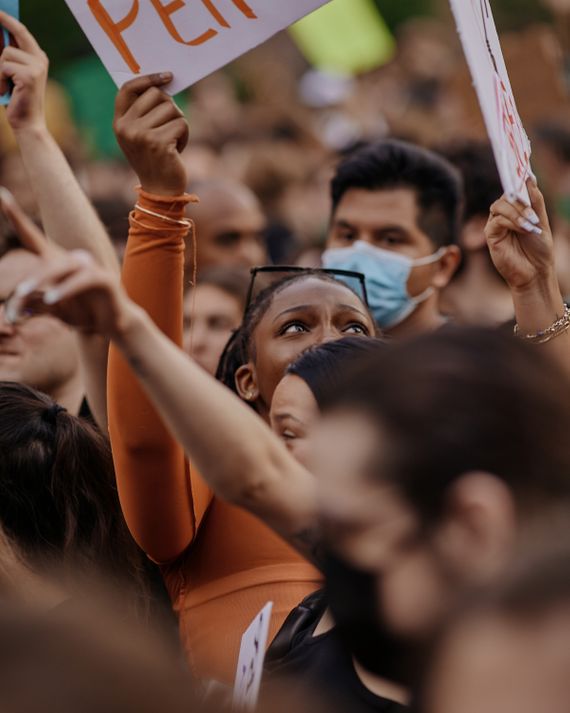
[(168, 219), (559, 327)]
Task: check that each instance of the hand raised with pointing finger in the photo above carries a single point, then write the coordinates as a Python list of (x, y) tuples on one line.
[(27, 67), (520, 240), (152, 132)]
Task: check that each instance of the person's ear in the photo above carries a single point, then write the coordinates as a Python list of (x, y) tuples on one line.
[(446, 267), (246, 383), (479, 527)]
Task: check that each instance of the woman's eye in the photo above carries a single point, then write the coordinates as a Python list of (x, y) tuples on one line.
[(356, 329), (288, 435), (294, 328)]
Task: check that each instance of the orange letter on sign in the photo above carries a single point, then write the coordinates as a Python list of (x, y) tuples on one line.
[(115, 29), (165, 11)]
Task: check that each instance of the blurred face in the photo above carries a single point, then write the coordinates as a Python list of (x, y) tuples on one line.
[(500, 666), (307, 312), (230, 231), (41, 351), (294, 413), (371, 526), (210, 317), (388, 220)]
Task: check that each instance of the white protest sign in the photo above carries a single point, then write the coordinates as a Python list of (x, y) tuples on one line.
[(482, 47), (190, 38), (251, 660)]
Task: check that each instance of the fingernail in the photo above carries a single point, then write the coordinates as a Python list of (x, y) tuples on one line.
[(25, 288), (51, 297), (525, 225), (532, 216), (5, 195), (165, 76), (536, 230)]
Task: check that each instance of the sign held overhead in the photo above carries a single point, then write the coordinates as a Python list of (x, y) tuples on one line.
[(482, 47), (190, 38)]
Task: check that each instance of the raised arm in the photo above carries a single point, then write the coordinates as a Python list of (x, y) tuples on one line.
[(163, 505), (243, 460), (67, 215), (522, 248)]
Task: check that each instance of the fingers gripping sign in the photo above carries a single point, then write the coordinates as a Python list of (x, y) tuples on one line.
[(520, 239), (152, 132), (7, 8)]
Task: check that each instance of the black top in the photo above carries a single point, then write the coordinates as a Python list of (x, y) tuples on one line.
[(320, 663)]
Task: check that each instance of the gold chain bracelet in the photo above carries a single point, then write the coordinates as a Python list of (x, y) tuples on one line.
[(559, 327)]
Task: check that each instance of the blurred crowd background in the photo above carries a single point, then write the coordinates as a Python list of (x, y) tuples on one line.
[(270, 121)]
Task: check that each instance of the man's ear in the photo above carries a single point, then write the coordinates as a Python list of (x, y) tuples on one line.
[(480, 526), (447, 266), (246, 383)]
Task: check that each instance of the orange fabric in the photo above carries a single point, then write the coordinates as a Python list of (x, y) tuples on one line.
[(225, 565)]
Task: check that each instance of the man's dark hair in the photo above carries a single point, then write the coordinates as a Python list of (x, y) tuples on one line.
[(459, 401), (391, 164), (476, 163)]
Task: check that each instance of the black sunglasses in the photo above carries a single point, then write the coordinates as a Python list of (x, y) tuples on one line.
[(264, 277)]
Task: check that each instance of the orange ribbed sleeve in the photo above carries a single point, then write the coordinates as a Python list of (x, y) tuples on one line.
[(162, 505)]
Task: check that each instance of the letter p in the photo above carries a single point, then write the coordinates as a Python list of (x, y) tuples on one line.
[(115, 30)]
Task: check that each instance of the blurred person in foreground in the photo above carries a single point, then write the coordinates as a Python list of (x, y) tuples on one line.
[(395, 217), (477, 294), (506, 650), (213, 310)]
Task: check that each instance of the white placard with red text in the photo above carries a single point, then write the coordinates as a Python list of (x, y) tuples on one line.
[(190, 38), (482, 47)]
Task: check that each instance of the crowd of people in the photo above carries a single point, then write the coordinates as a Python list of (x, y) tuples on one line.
[(359, 416)]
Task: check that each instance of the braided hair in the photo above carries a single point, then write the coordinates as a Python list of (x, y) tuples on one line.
[(238, 350)]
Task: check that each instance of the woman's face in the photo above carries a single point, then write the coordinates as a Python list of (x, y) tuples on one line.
[(294, 412), (307, 312)]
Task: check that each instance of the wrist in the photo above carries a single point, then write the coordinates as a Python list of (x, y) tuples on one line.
[(538, 304), (130, 323), (36, 130)]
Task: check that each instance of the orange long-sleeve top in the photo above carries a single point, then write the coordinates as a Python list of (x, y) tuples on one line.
[(221, 565)]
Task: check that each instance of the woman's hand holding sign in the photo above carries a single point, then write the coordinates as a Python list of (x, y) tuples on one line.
[(152, 132)]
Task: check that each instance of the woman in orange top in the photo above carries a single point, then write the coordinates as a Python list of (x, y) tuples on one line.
[(221, 565)]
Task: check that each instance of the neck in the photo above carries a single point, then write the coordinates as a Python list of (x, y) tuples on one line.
[(70, 394), (425, 318)]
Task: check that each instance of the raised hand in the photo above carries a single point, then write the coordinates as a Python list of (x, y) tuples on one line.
[(70, 286), (152, 132), (520, 240), (27, 67)]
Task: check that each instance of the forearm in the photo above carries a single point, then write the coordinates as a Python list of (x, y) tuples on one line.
[(66, 212), (234, 450), (537, 307)]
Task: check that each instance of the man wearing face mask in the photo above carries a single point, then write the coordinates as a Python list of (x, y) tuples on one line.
[(396, 217)]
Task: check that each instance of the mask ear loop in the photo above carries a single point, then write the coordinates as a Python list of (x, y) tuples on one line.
[(429, 260)]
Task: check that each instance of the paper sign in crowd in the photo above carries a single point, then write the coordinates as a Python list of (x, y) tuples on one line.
[(12, 7), (190, 38), (251, 659), (482, 48)]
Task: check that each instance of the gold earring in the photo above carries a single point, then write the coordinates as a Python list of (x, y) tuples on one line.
[(249, 396)]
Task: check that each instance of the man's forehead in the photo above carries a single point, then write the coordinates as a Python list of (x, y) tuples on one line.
[(397, 206), (15, 266)]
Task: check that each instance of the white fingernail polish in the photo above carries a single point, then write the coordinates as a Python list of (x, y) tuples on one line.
[(532, 216), (536, 230), (25, 288), (529, 227), (51, 297)]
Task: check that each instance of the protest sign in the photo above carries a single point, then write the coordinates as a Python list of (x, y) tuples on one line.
[(251, 660), (190, 38), (346, 36), (12, 7), (482, 48)]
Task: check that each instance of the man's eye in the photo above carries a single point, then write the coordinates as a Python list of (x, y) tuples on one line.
[(347, 236), (293, 328), (357, 329), (391, 240)]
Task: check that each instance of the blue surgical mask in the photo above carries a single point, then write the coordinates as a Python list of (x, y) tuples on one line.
[(387, 275)]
